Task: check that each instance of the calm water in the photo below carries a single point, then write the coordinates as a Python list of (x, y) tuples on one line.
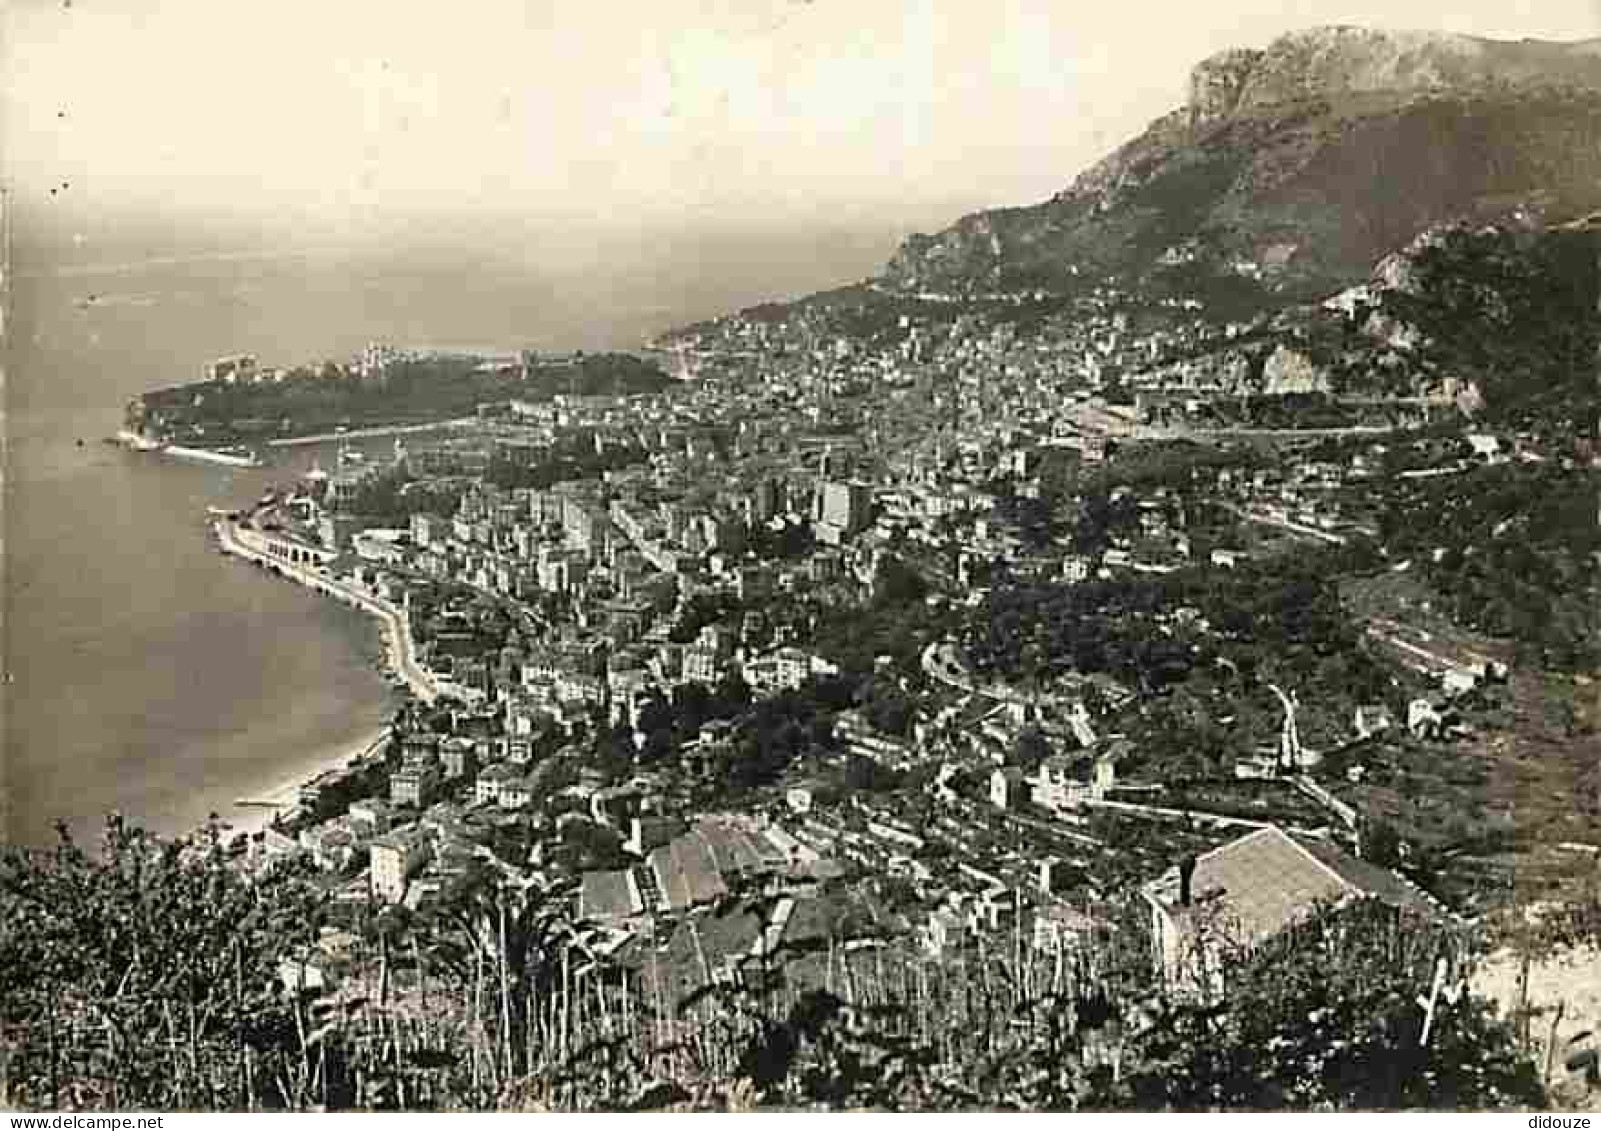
[(148, 673)]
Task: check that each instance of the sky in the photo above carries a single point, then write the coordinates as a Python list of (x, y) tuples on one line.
[(349, 115)]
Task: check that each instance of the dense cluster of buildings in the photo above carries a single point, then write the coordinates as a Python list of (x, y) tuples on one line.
[(569, 619)]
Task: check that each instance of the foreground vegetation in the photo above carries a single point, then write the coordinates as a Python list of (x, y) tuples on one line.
[(151, 976)]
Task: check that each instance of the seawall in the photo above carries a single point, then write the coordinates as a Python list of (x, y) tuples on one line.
[(402, 648)]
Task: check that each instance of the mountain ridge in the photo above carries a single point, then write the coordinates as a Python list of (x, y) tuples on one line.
[(1347, 59), (1293, 168)]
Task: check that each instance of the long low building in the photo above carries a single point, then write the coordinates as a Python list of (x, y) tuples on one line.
[(282, 547), (691, 870), (687, 873)]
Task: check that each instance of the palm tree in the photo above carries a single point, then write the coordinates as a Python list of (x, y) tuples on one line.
[(522, 939)]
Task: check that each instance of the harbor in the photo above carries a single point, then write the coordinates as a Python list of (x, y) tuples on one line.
[(375, 432), (223, 456), (232, 456)]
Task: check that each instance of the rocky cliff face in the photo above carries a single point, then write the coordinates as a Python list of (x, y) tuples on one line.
[(1338, 61), (1504, 319), (1218, 85), (1294, 168)]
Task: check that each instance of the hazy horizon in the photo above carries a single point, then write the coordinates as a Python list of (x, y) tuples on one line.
[(221, 125)]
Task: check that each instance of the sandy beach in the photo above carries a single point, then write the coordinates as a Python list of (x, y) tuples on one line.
[(252, 814), (262, 806)]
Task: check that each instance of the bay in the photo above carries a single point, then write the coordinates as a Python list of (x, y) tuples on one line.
[(149, 675)]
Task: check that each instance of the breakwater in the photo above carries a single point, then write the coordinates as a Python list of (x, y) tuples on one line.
[(368, 433)]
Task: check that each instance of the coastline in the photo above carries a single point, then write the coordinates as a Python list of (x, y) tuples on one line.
[(251, 815), (400, 649)]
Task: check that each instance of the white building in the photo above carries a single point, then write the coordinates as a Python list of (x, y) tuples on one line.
[(395, 859)]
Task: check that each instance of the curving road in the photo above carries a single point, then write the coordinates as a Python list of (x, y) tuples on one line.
[(940, 663), (402, 648)]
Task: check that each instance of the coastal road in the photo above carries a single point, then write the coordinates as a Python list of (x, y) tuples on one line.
[(402, 648)]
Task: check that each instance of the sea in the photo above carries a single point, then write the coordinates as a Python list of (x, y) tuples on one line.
[(146, 674)]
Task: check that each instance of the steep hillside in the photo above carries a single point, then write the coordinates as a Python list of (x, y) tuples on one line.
[(1293, 169), (1504, 320), (1512, 318)]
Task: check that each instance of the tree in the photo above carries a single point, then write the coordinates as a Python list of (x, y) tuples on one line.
[(1328, 1018), (614, 752), (863, 775), (886, 707), (731, 695), (1030, 749), (898, 583), (122, 945), (691, 706), (1381, 843), (656, 713)]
